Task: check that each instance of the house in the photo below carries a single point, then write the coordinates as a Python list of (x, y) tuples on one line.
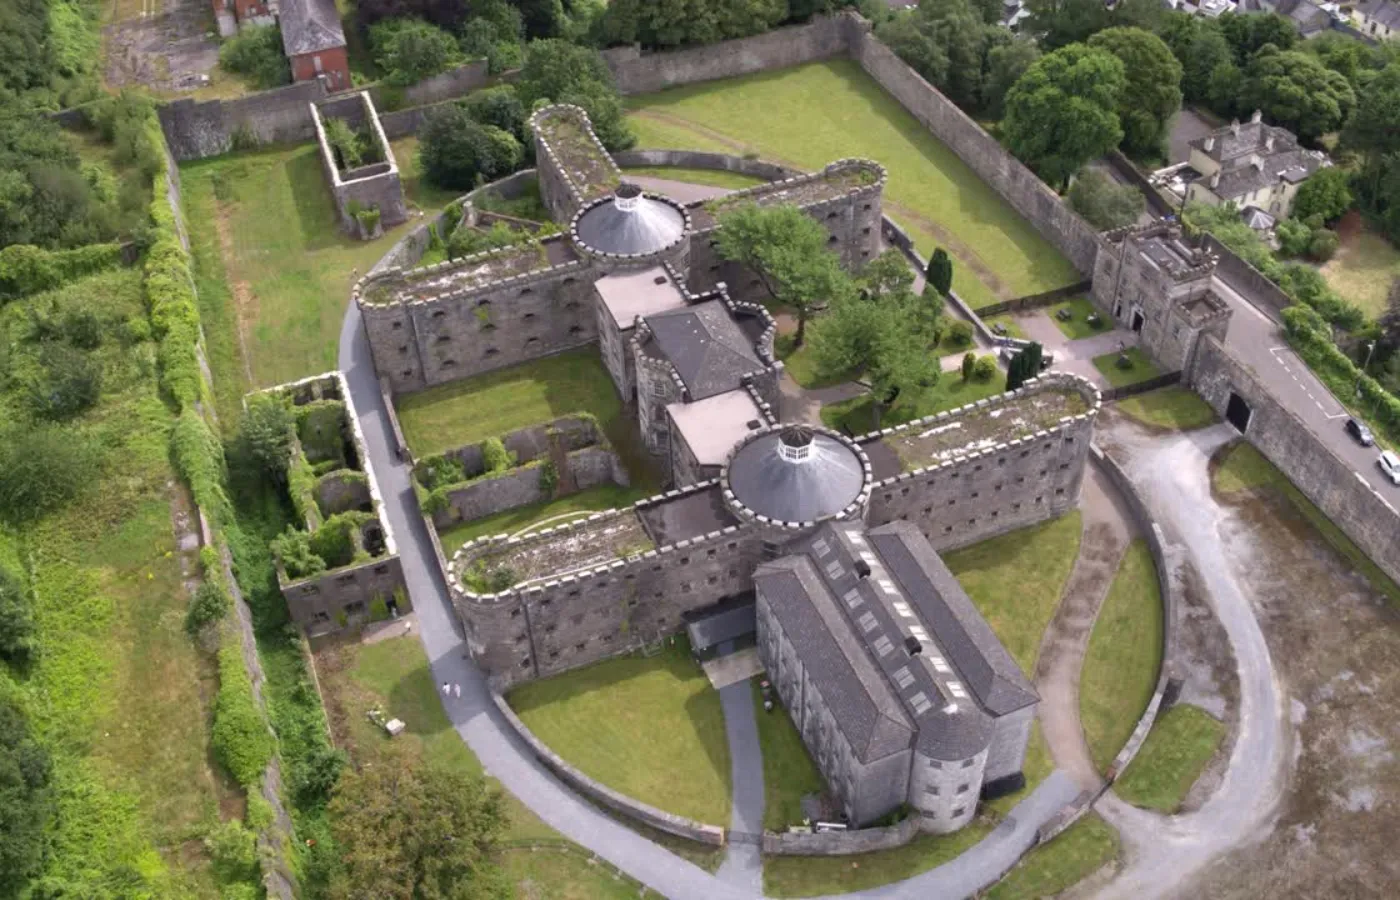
[(1309, 17), (1378, 19), (314, 42), (1251, 164), (231, 15)]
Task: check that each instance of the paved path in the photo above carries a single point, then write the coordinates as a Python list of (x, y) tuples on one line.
[(743, 864), (679, 191), (799, 404), (1172, 474), (1107, 531)]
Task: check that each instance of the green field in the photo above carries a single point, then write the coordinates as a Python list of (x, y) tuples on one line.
[(634, 723), (1085, 847), (788, 770), (1180, 744), (272, 267), (1173, 408), (813, 876), (1363, 269), (1123, 657), (1141, 369), (810, 115), (1077, 325), (1016, 581)]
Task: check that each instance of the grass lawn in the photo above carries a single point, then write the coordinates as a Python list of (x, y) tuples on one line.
[(1174, 408), (1007, 321), (1016, 580), (857, 417), (1363, 269), (1180, 744), (812, 876), (416, 190), (1241, 469), (634, 723), (735, 181), (557, 875), (1141, 369), (608, 496), (1124, 654), (1081, 850), (272, 267), (801, 364), (810, 115), (788, 770), (1077, 326)]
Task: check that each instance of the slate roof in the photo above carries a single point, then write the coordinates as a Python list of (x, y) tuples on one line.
[(1235, 147), (1309, 17), (717, 624), (630, 224), (309, 26), (952, 689), (709, 350), (1382, 11), (803, 491)]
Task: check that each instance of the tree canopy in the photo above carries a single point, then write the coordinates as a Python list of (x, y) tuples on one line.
[(1064, 111), (1152, 93), (409, 50), (1296, 91), (671, 23), (458, 152), (1103, 202), (1326, 194), (26, 799), (560, 72)]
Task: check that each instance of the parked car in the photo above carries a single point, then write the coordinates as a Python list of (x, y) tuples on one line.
[(1360, 433), (1390, 465)]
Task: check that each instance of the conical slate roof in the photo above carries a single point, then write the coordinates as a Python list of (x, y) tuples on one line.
[(630, 222), (797, 474)]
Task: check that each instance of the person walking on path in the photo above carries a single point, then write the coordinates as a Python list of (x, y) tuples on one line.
[(457, 691), (446, 688)]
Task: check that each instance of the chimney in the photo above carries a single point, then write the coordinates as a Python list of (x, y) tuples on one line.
[(912, 645), (1258, 115), (1215, 180), (1210, 143), (862, 569), (1235, 127), (1269, 144), (1257, 162)]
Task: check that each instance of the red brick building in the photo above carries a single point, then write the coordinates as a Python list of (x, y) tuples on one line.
[(314, 42)]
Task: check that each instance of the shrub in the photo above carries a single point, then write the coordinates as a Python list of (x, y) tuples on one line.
[(969, 362), (1322, 245), (469, 241), (348, 145), (440, 471), (334, 541), (456, 151), (265, 434), (233, 850), (318, 774), (495, 457), (549, 478), (208, 606), (69, 382), (409, 50), (293, 550), (1293, 237), (986, 368), (1103, 202), (241, 740), (256, 54), (499, 106), (26, 269), (368, 219), (960, 333), (16, 619), (41, 469), (82, 329)]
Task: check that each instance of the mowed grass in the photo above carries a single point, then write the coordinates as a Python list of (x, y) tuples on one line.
[(1077, 325), (1240, 469), (814, 876), (273, 268), (416, 189), (1173, 408), (1365, 265), (857, 416), (1124, 655), (559, 875), (811, 115), (1180, 745), (1016, 580), (788, 770), (650, 727), (1140, 369), (1081, 850)]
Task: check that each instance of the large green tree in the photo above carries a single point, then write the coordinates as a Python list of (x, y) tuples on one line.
[(1064, 111), (939, 273), (1374, 127), (1058, 23), (1327, 194), (1296, 91), (1152, 93), (409, 50), (670, 23), (1104, 202), (560, 72), (787, 251), (1200, 46), (456, 151), (417, 833), (1006, 63), (1248, 34)]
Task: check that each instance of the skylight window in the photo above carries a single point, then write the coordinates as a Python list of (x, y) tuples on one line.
[(888, 586), (868, 622), (921, 703), (884, 645), (903, 677), (821, 546), (834, 569), (903, 609), (957, 690), (853, 598)]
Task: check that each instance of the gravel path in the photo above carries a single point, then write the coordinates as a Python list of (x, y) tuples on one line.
[(743, 865)]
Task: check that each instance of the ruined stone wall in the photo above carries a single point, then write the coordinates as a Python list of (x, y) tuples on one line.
[(344, 596), (195, 130), (990, 491), (341, 491), (1366, 515), (520, 486), (374, 186), (841, 843)]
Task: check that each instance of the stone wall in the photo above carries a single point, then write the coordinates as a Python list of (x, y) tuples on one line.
[(344, 596), (698, 159), (520, 486), (195, 130), (604, 795), (840, 843), (375, 186), (1035, 301), (642, 73), (1248, 281), (1364, 514), (453, 83)]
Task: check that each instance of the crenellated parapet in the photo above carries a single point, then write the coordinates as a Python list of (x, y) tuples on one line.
[(574, 166)]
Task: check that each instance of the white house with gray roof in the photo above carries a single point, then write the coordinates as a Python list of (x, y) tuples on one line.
[(1251, 164)]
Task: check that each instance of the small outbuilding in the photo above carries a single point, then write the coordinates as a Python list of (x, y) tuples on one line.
[(724, 628)]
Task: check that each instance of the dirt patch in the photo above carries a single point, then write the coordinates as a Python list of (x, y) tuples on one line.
[(1336, 646), (1349, 226), (168, 48), (245, 301)]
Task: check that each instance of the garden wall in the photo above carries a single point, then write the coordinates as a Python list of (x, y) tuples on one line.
[(840, 843), (375, 186), (1366, 516), (445, 86), (699, 159), (1247, 281), (604, 795), (1036, 301)]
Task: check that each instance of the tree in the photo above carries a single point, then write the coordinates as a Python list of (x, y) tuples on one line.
[(409, 50), (939, 273), (560, 72), (16, 620), (1374, 128), (26, 799), (1152, 93), (1293, 237), (1224, 88), (1059, 23), (256, 54), (68, 382), (410, 833), (1247, 34), (499, 106), (874, 336), (541, 18), (1063, 111), (1296, 91), (1024, 366), (1006, 63), (1326, 193), (786, 249), (458, 152), (1104, 202), (1200, 51), (41, 469), (671, 23), (1344, 55), (266, 434), (969, 363)]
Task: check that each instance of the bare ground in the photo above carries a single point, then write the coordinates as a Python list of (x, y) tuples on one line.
[(165, 45)]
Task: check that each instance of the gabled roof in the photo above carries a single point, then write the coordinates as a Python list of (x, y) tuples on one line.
[(309, 26), (1383, 11), (710, 351)]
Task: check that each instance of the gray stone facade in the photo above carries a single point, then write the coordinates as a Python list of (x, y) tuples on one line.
[(373, 186)]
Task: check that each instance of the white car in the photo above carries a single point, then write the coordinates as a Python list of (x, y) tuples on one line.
[(1390, 465)]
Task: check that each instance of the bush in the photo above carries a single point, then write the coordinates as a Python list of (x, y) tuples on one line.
[(986, 368), (440, 471), (549, 478), (82, 329), (1293, 237), (409, 50), (457, 152), (208, 606), (969, 362), (266, 434), (69, 382), (256, 54), (41, 469), (960, 333), (499, 106), (16, 620), (1322, 245), (317, 776), (241, 740), (293, 550), (469, 241), (27, 799), (1103, 202), (368, 220), (26, 269), (334, 541), (349, 145), (233, 850)]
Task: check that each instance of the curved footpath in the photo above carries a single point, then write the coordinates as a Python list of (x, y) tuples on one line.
[(507, 759)]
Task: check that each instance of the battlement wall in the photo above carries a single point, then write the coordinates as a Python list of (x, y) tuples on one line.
[(574, 166)]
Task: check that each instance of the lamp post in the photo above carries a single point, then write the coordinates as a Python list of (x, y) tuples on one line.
[(1370, 349)]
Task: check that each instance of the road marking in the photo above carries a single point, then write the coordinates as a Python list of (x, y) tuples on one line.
[(1276, 352)]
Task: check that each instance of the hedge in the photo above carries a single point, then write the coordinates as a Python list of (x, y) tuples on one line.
[(243, 743), (1311, 337), (26, 269)]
